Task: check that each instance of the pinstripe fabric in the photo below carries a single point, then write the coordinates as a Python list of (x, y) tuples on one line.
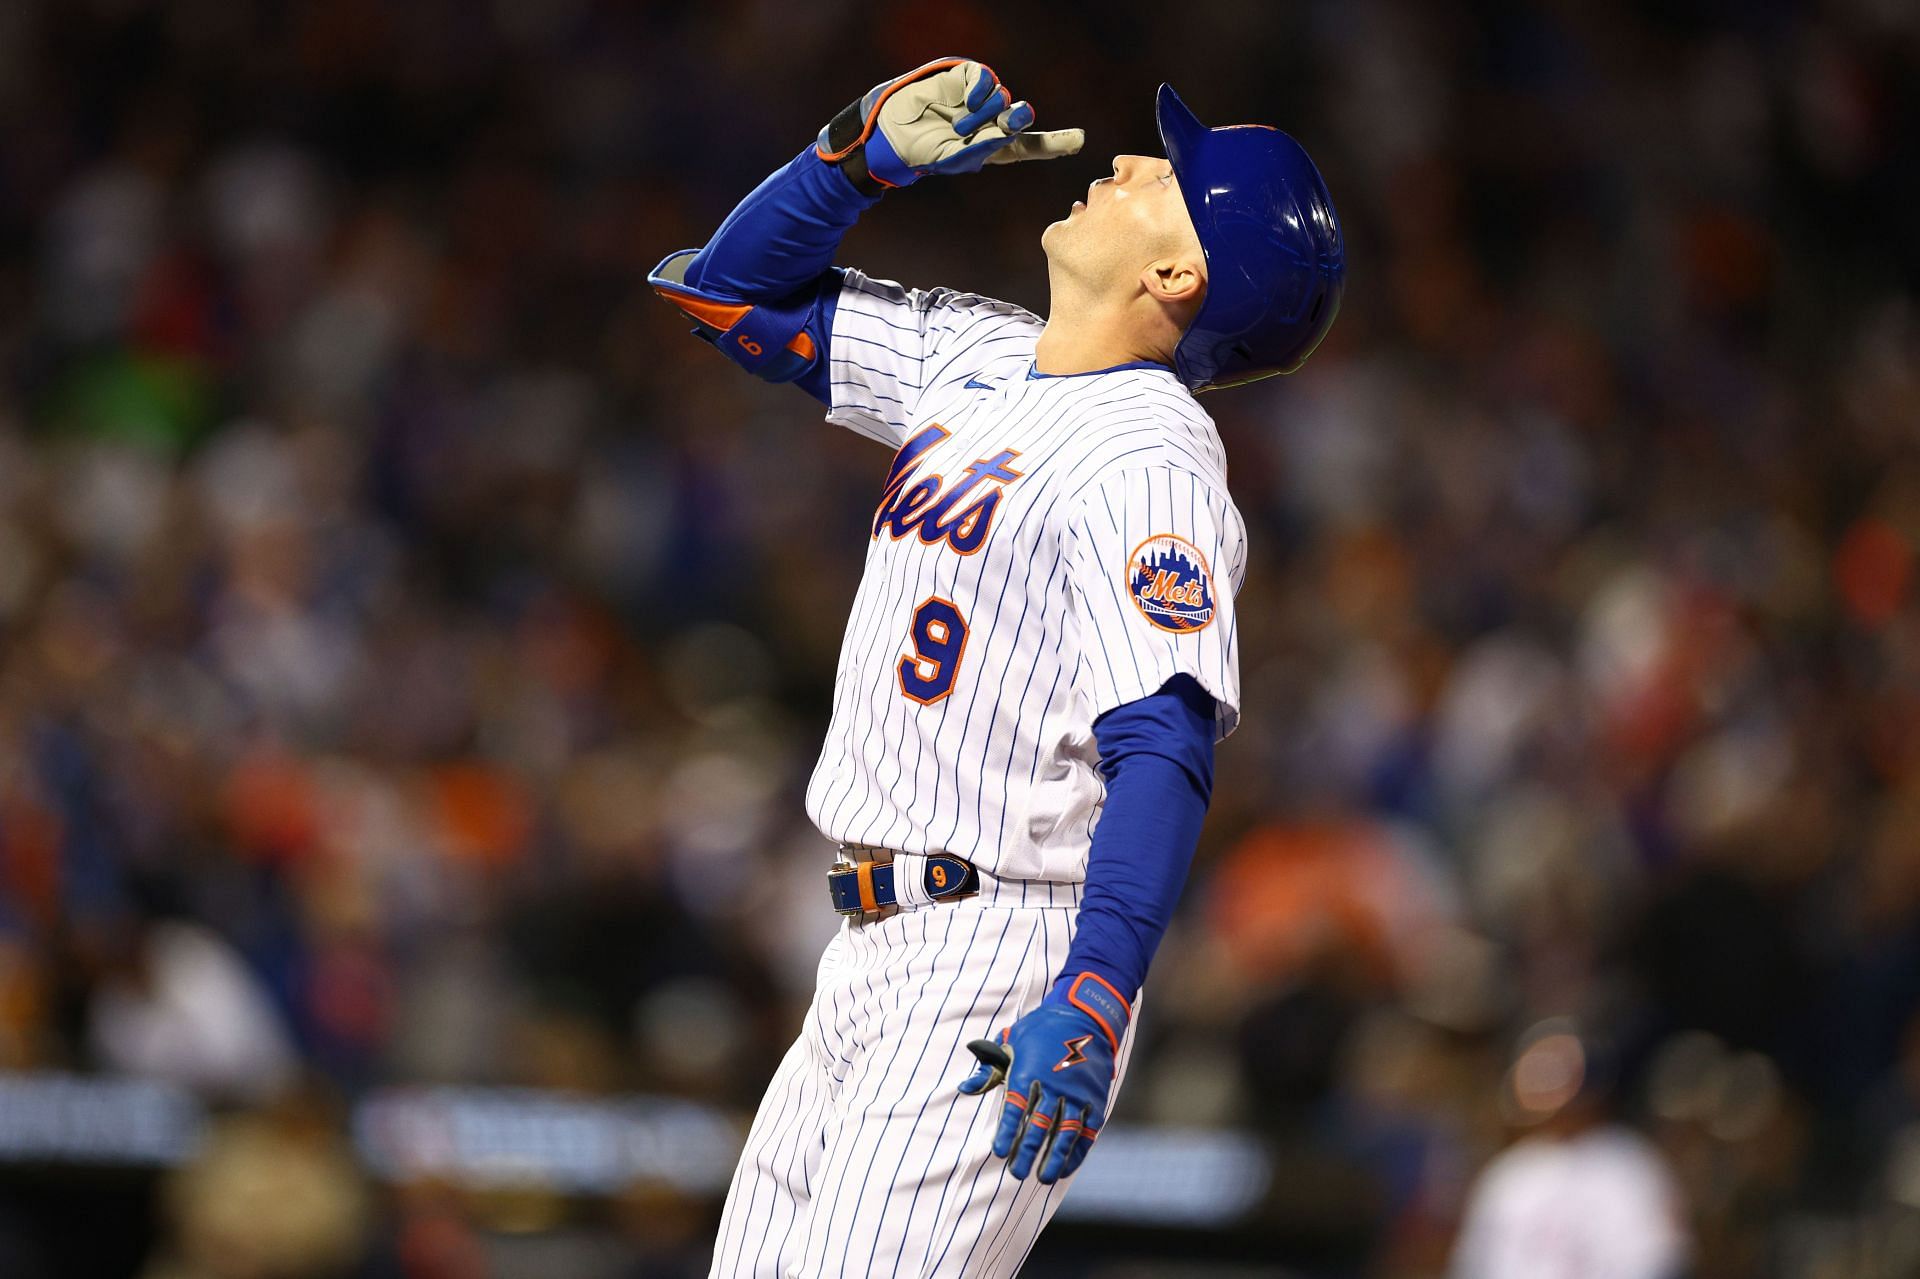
[(1125, 656), (864, 1158), (1002, 769)]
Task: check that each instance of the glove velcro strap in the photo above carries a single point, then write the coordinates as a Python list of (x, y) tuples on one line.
[(768, 340), (1093, 995), (844, 133), (843, 144), (863, 179)]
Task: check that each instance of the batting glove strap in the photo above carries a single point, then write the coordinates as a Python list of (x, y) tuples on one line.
[(950, 116), (1095, 996), (842, 143)]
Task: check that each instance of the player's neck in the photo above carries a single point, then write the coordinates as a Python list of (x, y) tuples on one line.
[(1083, 336), (1078, 347)]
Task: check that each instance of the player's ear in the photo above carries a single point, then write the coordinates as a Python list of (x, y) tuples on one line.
[(1177, 281)]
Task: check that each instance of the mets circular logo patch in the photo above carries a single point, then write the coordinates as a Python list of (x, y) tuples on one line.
[(1170, 584)]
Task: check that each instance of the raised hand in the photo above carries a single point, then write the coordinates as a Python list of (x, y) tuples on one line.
[(950, 116)]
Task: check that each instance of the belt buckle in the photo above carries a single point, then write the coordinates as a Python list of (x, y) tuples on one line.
[(841, 865)]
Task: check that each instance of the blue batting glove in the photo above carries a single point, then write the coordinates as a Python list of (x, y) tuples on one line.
[(1057, 1063), (950, 116)]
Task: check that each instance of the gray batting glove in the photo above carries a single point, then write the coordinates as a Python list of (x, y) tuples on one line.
[(950, 116)]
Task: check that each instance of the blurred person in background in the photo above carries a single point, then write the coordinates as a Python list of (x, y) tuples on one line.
[(175, 1002), (1578, 1195)]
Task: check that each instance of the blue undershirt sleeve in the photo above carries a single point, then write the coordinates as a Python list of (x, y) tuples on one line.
[(779, 243), (1156, 755), (783, 235)]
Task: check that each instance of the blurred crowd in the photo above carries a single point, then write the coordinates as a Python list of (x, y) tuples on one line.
[(413, 645)]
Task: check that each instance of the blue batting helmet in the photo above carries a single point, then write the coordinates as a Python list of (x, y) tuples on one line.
[(1276, 265)]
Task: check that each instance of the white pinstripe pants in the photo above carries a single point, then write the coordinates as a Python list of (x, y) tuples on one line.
[(864, 1158)]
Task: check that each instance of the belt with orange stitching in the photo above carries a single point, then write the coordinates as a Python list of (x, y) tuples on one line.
[(867, 887)]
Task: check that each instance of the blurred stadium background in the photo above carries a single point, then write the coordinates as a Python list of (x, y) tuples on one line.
[(413, 645)]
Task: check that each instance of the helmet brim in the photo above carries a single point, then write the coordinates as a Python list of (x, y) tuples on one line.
[(1180, 128)]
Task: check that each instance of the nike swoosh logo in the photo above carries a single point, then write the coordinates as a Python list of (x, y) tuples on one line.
[(976, 385)]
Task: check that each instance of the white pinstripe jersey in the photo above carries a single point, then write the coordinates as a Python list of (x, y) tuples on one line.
[(1044, 550)]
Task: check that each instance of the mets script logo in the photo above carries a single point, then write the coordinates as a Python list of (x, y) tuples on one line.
[(1170, 584), (957, 513)]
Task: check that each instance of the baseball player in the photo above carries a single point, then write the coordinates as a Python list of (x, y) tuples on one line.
[(1040, 658)]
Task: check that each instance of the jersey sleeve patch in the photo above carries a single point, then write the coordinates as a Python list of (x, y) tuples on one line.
[(1171, 585)]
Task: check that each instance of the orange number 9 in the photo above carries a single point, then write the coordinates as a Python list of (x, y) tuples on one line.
[(748, 345), (939, 876)]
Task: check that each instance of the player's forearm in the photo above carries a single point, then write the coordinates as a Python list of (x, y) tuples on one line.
[(782, 236), (1157, 756), (763, 290)]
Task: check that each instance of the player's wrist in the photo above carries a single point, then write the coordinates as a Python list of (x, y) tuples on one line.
[(842, 147), (824, 182), (1097, 997)]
